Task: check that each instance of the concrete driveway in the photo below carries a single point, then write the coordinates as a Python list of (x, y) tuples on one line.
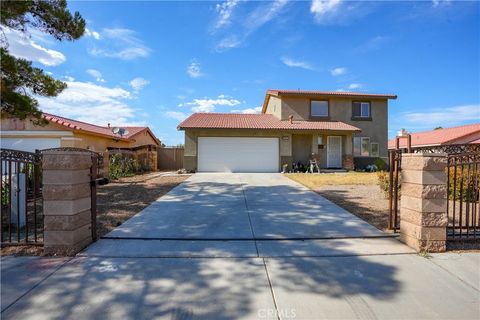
[(241, 214), (243, 246), (243, 206)]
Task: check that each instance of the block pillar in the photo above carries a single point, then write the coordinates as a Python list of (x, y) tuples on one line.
[(423, 205), (66, 201)]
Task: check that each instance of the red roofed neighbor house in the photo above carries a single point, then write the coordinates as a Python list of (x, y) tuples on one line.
[(338, 129), (63, 132), (469, 133)]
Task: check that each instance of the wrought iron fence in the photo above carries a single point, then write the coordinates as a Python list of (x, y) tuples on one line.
[(21, 197), (463, 188), (463, 196)]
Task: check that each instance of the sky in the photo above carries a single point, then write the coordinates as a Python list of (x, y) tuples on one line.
[(154, 63)]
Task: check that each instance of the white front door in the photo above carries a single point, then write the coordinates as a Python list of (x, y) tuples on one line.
[(334, 151), (238, 154)]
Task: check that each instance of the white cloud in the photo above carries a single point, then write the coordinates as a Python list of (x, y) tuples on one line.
[(227, 43), (180, 116), (261, 15), (139, 83), (249, 110), (354, 86), (22, 46), (209, 105), (372, 44), (338, 71), (194, 70), (225, 11), (92, 33), (96, 74), (69, 78), (440, 3), (92, 103), (296, 63), (340, 12), (123, 44), (427, 120), (323, 9)]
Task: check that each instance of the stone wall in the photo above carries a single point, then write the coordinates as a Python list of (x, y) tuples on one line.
[(423, 216), (66, 201)]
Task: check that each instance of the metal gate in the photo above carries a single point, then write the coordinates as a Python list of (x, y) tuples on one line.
[(463, 196), (463, 188), (21, 192)]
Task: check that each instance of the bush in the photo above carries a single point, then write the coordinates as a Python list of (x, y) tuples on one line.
[(123, 165), (380, 164), (384, 182), (463, 187)]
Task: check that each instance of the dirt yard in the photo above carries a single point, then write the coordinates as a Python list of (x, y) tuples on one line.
[(117, 202), (122, 199), (356, 192)]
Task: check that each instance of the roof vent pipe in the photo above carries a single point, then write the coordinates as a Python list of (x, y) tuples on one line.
[(290, 119)]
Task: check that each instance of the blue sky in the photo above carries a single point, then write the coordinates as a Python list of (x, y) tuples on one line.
[(154, 63)]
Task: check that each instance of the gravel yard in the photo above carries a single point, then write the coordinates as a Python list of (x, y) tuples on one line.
[(116, 202), (356, 192), (120, 200)]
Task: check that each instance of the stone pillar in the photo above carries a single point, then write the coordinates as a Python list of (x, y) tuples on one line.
[(66, 201), (423, 205), (347, 161)]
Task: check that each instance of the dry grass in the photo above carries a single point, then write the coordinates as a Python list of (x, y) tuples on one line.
[(314, 181)]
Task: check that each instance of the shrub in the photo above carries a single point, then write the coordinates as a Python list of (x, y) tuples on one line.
[(463, 187), (380, 164), (384, 182), (123, 165)]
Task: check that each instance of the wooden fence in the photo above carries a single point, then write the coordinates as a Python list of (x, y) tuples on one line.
[(170, 158)]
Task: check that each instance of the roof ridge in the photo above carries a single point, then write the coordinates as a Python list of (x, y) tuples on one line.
[(449, 128)]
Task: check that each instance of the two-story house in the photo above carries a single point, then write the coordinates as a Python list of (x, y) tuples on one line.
[(340, 129)]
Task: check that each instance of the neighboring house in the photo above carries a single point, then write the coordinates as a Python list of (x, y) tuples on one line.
[(467, 134), (63, 132), (339, 129)]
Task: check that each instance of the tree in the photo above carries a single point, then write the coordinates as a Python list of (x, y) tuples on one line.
[(438, 128), (20, 81)]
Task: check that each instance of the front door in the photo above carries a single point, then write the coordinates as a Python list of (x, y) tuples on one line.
[(334, 151)]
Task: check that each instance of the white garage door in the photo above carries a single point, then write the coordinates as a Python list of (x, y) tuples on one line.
[(227, 154), (29, 144)]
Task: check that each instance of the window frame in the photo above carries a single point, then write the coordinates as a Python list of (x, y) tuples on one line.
[(319, 117), (360, 154), (378, 149), (361, 117)]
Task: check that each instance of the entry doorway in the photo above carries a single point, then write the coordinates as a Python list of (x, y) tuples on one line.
[(334, 152)]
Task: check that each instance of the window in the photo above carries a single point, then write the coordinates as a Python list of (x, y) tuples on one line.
[(361, 110), (374, 147), (361, 146), (319, 108)]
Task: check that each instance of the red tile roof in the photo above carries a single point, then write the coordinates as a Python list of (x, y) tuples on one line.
[(94, 129), (442, 136), (257, 121), (278, 92)]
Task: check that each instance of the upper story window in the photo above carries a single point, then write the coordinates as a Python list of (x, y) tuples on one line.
[(361, 110), (319, 108)]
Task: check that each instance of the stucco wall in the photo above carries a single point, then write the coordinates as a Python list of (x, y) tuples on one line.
[(285, 140), (13, 128), (274, 107), (340, 109)]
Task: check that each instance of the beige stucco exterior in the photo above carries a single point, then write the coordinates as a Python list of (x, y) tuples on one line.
[(298, 146), (340, 109), (26, 129), (285, 137)]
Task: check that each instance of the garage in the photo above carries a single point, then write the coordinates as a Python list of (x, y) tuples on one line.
[(238, 154), (30, 144)]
